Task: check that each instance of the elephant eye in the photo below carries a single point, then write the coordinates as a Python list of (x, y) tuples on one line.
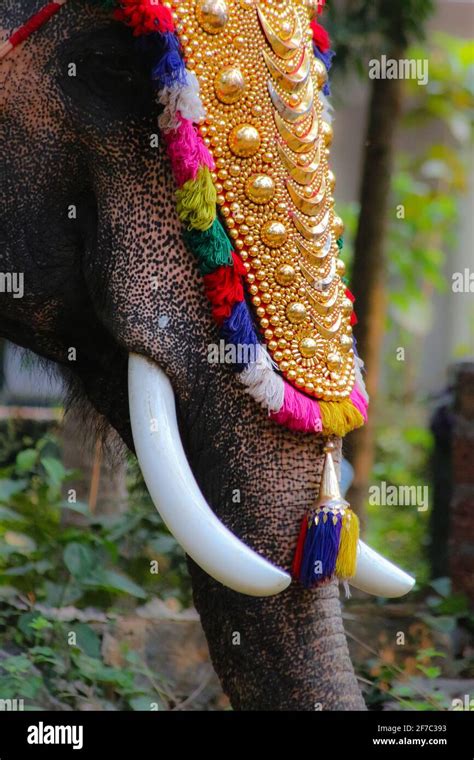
[(104, 75)]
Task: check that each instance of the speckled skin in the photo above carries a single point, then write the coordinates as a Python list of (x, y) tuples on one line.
[(118, 279)]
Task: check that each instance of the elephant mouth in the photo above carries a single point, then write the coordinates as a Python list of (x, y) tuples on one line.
[(179, 501)]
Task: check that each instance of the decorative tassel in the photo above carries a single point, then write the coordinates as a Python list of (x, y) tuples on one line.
[(327, 543), (320, 548), (169, 68), (181, 100), (145, 16), (186, 151), (238, 330), (340, 417), (299, 412), (262, 382), (224, 287), (347, 556), (196, 201), (212, 247), (359, 380), (320, 36), (359, 402), (298, 558)]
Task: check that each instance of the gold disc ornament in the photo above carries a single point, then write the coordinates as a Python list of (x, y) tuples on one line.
[(269, 133)]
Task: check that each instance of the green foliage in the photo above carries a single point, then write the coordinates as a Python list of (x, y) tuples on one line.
[(95, 562), (364, 29), (408, 674), (101, 562), (60, 665)]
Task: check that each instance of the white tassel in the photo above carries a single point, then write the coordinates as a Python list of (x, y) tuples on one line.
[(183, 98), (359, 380), (263, 383)]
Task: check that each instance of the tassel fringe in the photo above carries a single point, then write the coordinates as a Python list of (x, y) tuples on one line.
[(339, 417), (326, 547), (347, 555), (211, 247), (196, 201)]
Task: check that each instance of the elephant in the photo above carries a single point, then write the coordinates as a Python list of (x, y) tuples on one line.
[(88, 218)]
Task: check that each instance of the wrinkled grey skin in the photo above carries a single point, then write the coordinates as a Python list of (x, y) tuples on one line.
[(118, 279)]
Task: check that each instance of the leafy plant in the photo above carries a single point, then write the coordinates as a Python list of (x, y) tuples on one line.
[(96, 562), (103, 562)]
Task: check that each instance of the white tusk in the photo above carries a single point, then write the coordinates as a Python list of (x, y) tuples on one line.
[(376, 575), (176, 494)]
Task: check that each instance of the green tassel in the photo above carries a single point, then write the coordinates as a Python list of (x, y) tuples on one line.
[(340, 243), (211, 247), (196, 201)]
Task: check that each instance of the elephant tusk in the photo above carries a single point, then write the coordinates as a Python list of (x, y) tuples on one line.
[(176, 495), (376, 575), (179, 501)]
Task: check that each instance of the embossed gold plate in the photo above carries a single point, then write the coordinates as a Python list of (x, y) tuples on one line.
[(261, 87)]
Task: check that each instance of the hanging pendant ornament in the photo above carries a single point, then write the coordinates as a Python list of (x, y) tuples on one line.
[(327, 543)]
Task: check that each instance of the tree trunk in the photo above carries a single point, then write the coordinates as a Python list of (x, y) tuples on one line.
[(369, 265)]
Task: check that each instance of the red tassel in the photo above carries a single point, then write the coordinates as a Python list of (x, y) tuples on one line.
[(224, 287), (320, 37), (145, 16), (351, 297), (296, 566)]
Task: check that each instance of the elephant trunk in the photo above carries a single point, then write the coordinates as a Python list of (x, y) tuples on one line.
[(285, 652)]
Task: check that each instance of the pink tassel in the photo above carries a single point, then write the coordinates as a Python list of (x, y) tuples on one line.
[(186, 151), (298, 412), (359, 402)]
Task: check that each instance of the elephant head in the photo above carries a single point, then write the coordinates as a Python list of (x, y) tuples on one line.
[(112, 295)]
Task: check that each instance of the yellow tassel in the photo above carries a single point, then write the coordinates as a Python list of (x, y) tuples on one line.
[(339, 417), (196, 201), (347, 554)]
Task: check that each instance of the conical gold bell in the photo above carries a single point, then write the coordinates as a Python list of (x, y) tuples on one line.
[(329, 492)]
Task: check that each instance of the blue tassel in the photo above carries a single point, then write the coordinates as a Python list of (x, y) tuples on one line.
[(238, 329), (320, 550), (170, 69), (326, 58)]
